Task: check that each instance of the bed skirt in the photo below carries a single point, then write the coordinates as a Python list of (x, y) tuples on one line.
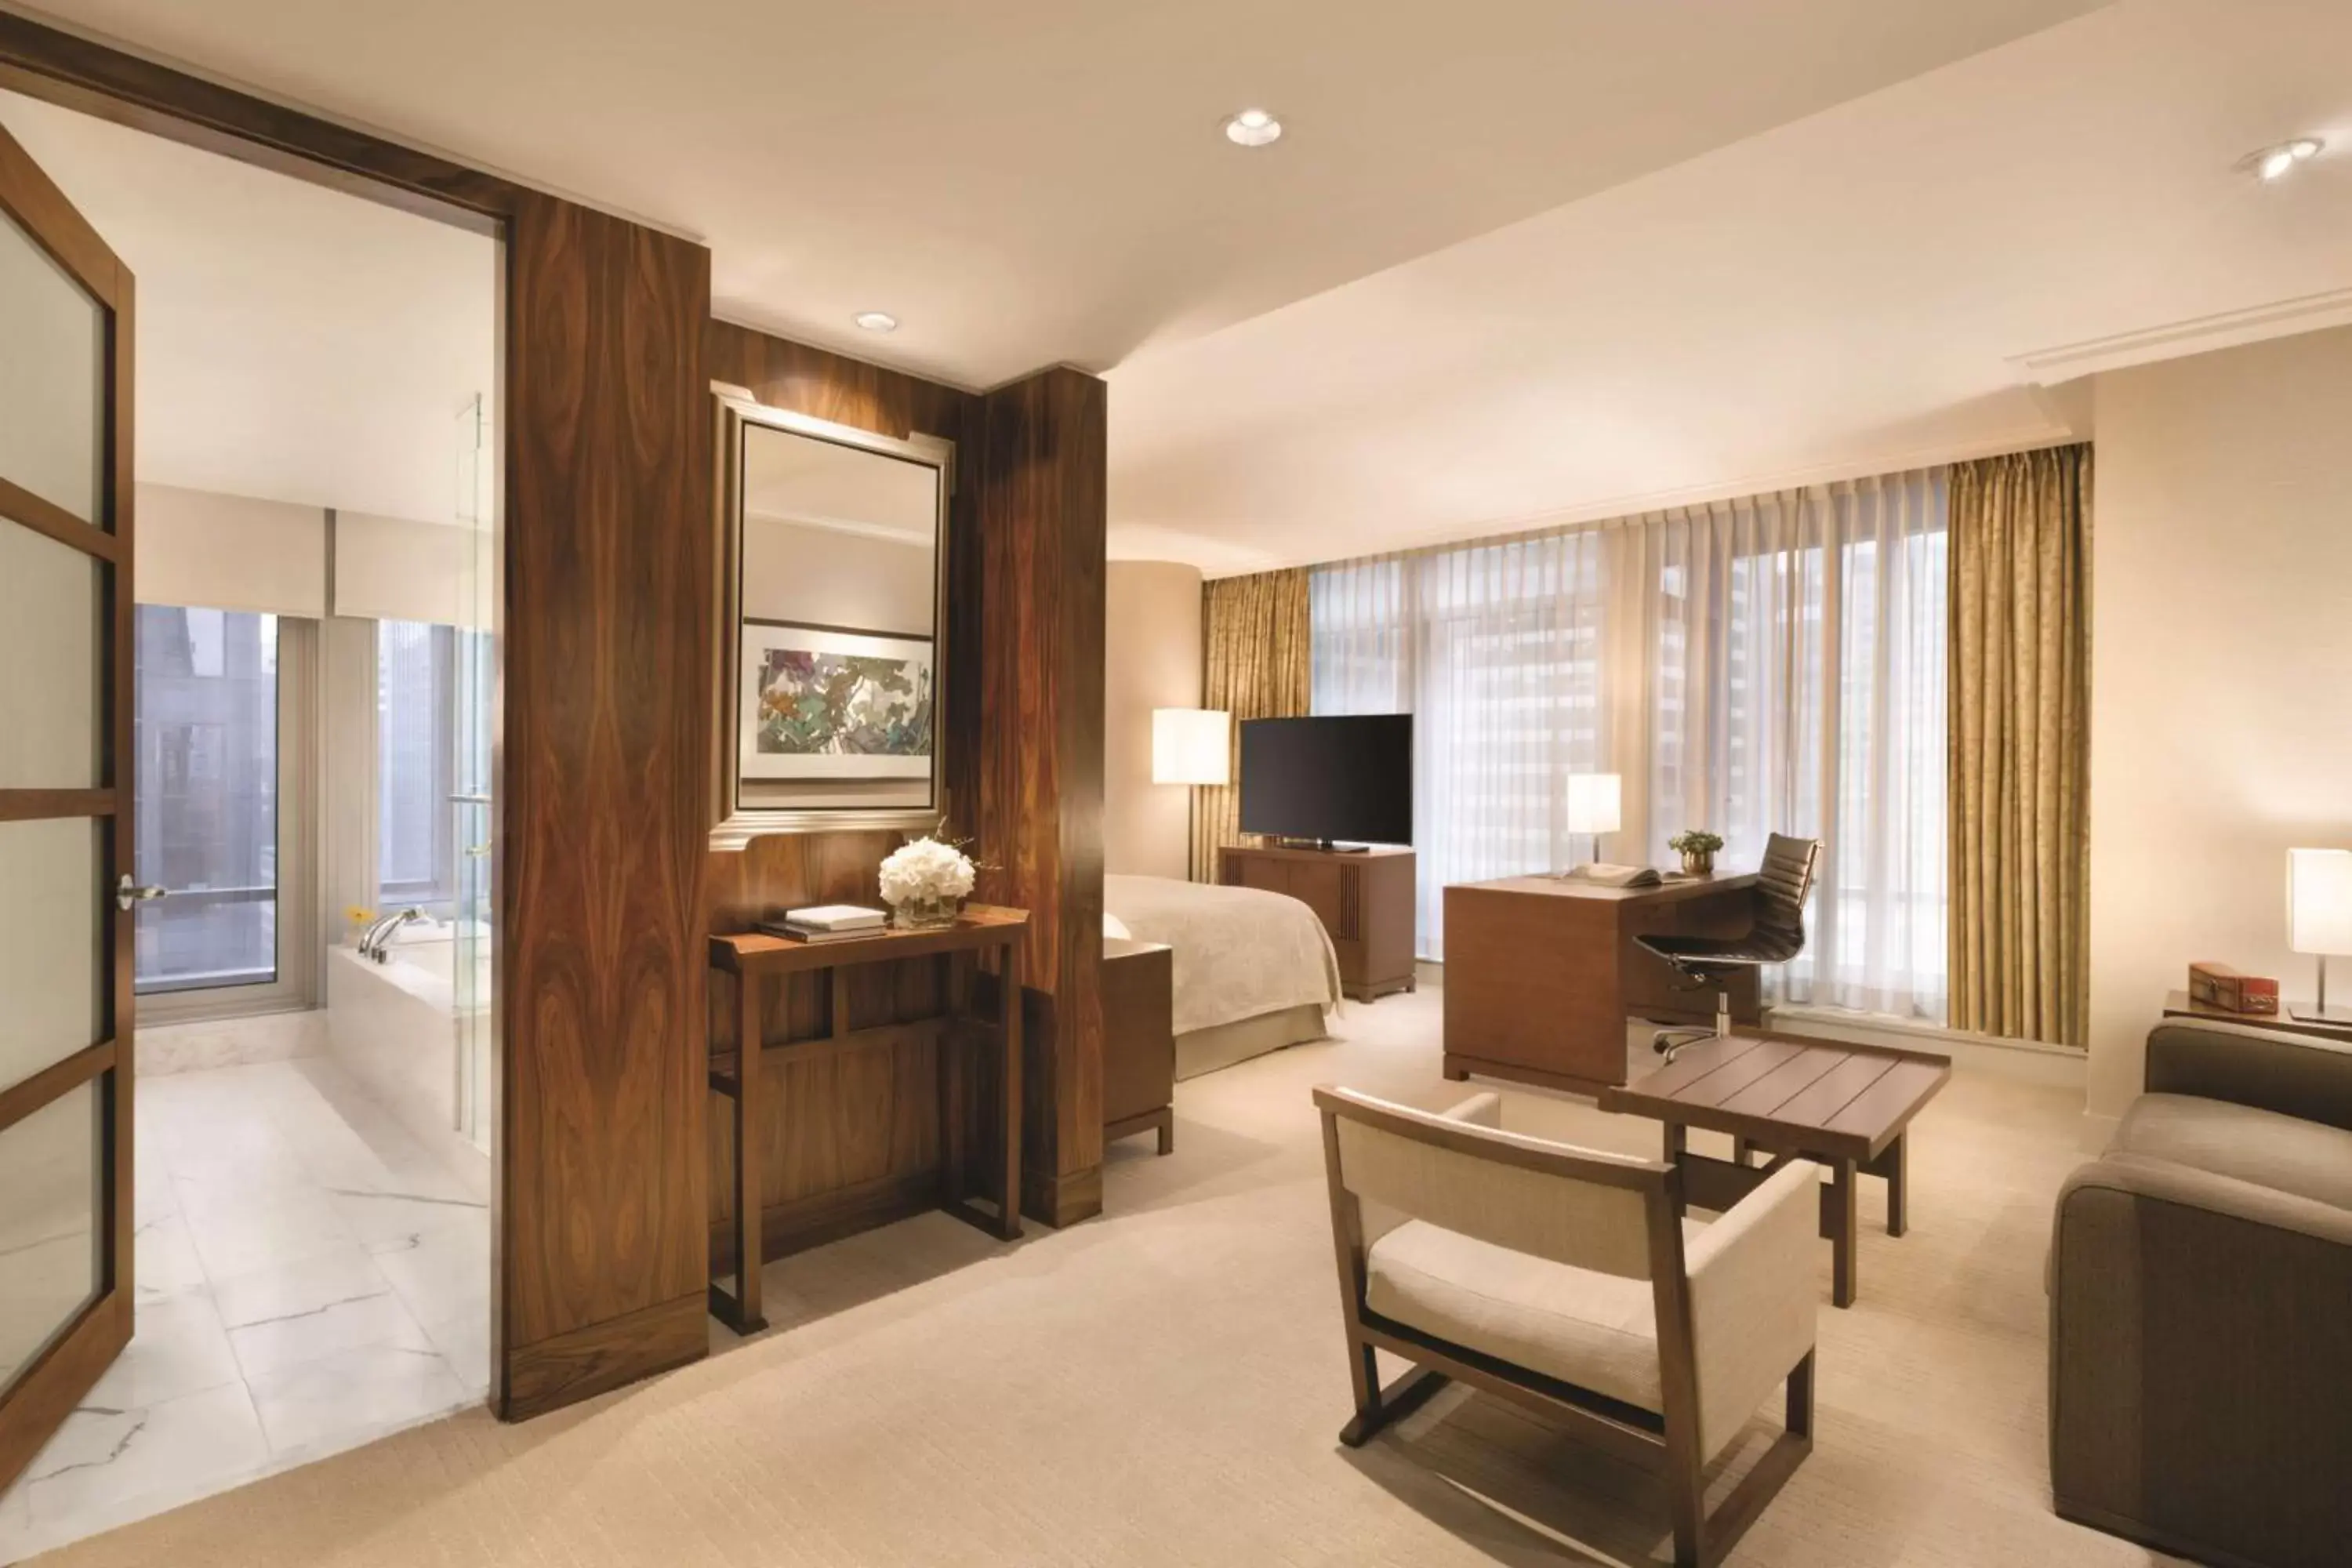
[(1206, 1050)]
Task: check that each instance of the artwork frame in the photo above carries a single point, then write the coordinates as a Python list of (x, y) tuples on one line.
[(820, 702)]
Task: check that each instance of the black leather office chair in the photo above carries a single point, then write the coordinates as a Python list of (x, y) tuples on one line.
[(1775, 935)]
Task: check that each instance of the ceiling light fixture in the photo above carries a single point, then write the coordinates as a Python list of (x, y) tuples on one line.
[(2271, 163), (1253, 128), (877, 321)]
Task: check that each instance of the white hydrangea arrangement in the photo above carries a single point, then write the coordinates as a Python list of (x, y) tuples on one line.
[(925, 871)]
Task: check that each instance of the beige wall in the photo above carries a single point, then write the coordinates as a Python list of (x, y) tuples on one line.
[(831, 577), (2220, 671), (1151, 659)]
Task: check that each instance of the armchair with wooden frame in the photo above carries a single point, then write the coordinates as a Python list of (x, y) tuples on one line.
[(1559, 1278)]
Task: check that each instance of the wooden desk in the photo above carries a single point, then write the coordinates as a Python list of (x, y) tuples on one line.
[(2180, 1005), (1848, 1107), (754, 957), (1542, 974)]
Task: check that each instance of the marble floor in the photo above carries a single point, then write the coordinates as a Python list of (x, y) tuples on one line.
[(308, 1278)]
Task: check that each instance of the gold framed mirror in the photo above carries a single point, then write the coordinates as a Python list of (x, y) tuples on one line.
[(830, 674)]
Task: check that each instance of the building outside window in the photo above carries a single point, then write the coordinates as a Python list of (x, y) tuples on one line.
[(206, 734)]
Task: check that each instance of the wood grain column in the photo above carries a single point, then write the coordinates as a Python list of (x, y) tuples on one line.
[(1042, 466), (602, 1219)]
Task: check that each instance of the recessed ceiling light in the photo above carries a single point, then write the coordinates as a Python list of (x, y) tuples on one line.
[(877, 321), (2271, 163), (1253, 128)]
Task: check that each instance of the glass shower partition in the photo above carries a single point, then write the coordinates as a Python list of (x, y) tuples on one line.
[(476, 619)]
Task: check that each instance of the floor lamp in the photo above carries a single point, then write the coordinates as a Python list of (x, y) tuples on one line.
[(1191, 746)]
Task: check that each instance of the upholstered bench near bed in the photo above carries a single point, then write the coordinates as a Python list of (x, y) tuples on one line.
[(1254, 970)]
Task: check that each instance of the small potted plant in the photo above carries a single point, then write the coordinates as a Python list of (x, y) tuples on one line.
[(1697, 847), (925, 882)]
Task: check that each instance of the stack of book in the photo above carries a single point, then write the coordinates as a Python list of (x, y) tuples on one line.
[(825, 922)]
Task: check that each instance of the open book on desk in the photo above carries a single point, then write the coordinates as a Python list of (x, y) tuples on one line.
[(1607, 875)]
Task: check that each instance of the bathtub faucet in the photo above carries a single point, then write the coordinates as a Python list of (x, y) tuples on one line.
[(374, 941)]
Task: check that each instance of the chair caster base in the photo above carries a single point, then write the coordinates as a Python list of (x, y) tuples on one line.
[(1668, 1042)]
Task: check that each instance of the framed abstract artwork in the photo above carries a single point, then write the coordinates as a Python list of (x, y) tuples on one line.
[(820, 702)]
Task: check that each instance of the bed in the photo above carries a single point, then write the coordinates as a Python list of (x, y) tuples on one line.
[(1254, 970)]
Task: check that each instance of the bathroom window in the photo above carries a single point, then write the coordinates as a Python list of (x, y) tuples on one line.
[(205, 733), (416, 752)]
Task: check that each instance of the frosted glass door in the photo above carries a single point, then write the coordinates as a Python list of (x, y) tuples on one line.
[(65, 824)]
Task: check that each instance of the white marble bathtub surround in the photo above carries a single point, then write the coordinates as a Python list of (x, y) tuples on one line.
[(390, 1027)]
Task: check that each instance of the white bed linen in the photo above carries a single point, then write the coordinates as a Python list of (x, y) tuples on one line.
[(1239, 951)]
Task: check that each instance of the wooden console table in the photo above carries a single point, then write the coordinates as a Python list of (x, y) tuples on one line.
[(754, 957)]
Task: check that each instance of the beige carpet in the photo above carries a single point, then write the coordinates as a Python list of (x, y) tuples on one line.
[(1164, 1385)]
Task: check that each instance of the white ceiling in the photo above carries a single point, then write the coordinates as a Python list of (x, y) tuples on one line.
[(1842, 295), (1028, 181), (294, 344), (1516, 261)]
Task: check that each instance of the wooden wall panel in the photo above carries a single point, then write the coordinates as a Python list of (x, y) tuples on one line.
[(602, 1219), (1042, 459)]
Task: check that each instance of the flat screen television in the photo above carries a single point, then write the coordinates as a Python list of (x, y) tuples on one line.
[(1329, 779)]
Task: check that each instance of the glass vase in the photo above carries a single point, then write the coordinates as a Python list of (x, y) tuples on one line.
[(925, 914)]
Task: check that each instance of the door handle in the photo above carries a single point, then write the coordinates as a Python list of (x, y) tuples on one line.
[(126, 893), (476, 852)]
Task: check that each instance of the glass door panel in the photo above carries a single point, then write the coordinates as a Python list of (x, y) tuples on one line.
[(49, 1226), (53, 972), (50, 598), (52, 379), (472, 802)]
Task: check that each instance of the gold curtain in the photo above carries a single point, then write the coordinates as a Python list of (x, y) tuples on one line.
[(1254, 637), (2020, 725)]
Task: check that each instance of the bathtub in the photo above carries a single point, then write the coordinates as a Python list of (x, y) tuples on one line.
[(396, 1028)]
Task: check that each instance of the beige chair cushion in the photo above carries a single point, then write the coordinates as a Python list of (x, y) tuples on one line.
[(1596, 1330), (2285, 1153)]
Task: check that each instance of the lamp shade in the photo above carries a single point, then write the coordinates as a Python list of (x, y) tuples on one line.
[(1191, 746), (1595, 803), (2319, 902)]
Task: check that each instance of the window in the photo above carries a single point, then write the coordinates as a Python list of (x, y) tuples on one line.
[(416, 765), (1775, 664), (204, 729)]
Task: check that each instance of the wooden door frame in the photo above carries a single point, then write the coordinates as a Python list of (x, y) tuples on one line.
[(54, 1382)]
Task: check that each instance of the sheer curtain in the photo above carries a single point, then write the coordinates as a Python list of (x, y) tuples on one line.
[(1771, 664)]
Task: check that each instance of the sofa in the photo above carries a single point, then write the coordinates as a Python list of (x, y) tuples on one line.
[(2200, 1306)]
